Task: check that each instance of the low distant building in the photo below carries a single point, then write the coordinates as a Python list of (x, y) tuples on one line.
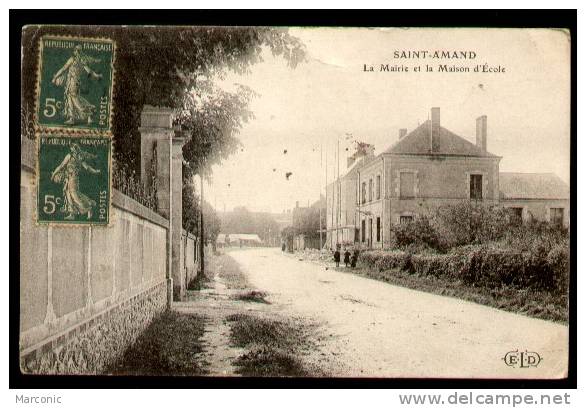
[(302, 242), (306, 226), (342, 201), (238, 240), (243, 221), (536, 196), (284, 219)]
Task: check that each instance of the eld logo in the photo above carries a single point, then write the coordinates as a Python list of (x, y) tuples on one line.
[(522, 359)]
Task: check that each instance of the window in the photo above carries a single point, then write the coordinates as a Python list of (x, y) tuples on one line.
[(356, 235), (363, 230), (516, 215), (378, 187), (370, 190), (476, 186), (407, 181), (556, 216), (405, 219), (377, 229), (363, 192)]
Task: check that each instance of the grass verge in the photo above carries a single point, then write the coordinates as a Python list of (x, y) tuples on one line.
[(229, 271), (272, 347), (169, 346), (255, 296), (531, 303), (275, 348)]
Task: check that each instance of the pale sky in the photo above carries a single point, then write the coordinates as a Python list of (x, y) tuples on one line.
[(528, 106)]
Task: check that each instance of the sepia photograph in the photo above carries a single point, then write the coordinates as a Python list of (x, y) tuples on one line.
[(312, 202)]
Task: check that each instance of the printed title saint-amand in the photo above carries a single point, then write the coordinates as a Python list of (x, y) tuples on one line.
[(443, 55), (436, 54)]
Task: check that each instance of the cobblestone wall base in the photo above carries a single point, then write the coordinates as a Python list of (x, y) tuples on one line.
[(90, 347)]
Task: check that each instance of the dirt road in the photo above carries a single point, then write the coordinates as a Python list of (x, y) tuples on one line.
[(380, 330)]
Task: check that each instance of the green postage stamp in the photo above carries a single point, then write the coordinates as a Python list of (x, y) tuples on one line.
[(73, 180), (74, 84)]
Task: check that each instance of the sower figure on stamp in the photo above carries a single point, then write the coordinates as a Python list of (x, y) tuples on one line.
[(76, 107), (67, 173)]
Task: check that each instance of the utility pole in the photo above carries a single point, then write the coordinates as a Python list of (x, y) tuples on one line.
[(201, 232), (319, 198), (326, 195), (339, 200), (333, 202)]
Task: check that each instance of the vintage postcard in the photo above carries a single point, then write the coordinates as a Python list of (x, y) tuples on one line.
[(331, 202), (75, 82)]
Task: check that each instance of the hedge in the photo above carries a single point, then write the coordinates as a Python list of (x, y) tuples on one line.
[(385, 260), (431, 265), (483, 266), (455, 225), (558, 260)]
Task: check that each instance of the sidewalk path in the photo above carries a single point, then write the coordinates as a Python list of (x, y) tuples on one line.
[(216, 302)]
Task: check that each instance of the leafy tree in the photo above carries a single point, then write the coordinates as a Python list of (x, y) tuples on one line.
[(243, 221), (213, 223), (465, 223), (240, 221), (288, 233), (177, 67), (191, 206)]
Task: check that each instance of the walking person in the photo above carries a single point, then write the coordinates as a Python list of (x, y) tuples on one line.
[(346, 257), (337, 257), (354, 259)]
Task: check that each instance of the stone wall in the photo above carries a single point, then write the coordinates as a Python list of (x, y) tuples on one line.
[(87, 292), (190, 253), (190, 256), (89, 347)]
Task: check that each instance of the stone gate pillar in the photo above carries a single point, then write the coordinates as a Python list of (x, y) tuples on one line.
[(156, 129), (161, 160)]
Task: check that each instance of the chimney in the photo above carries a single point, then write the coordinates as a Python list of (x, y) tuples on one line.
[(481, 133), (435, 130), (402, 133)]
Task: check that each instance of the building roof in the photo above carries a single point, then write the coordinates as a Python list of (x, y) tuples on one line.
[(238, 237), (532, 186), (418, 142)]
